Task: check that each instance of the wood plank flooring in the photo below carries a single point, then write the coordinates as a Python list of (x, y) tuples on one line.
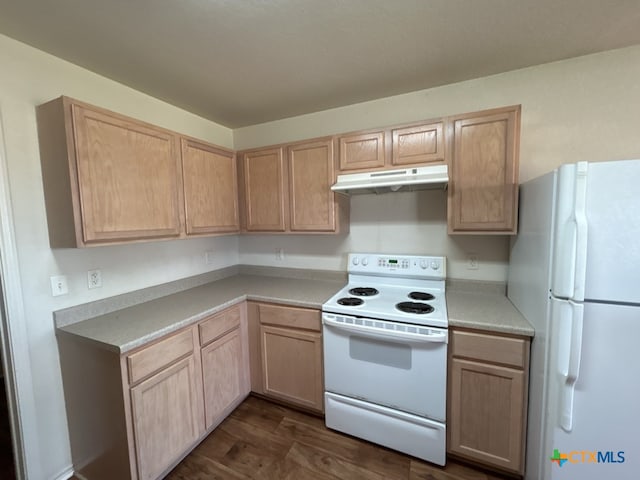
[(262, 440)]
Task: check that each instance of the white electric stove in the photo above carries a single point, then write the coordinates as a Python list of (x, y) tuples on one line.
[(385, 353)]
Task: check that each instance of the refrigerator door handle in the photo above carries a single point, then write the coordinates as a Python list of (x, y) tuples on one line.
[(571, 344), (570, 238), (580, 220)]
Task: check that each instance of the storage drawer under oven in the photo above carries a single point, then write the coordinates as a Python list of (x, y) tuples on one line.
[(387, 363)]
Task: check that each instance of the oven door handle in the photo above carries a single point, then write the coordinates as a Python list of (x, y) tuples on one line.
[(384, 334)]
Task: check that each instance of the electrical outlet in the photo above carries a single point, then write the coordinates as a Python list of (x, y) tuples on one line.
[(94, 279), (59, 285), (279, 254), (472, 262), (209, 257)]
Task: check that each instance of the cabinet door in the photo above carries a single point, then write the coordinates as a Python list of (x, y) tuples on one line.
[(418, 144), (486, 417), (292, 366), (167, 417), (128, 177), (264, 190), (225, 376), (312, 203), (362, 151), (210, 188), (484, 173)]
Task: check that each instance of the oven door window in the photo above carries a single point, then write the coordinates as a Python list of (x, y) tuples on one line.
[(390, 354)]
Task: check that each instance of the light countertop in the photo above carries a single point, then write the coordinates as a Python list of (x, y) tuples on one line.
[(127, 328)]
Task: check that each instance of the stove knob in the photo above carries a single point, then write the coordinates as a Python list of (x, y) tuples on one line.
[(423, 264), (365, 261), (355, 260), (435, 265)]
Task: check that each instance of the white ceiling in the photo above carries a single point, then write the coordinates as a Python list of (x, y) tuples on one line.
[(243, 62)]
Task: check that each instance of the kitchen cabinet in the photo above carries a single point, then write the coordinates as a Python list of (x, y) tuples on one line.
[(264, 200), (107, 178), (311, 174), (488, 387), (135, 416), (394, 147), (362, 151), (289, 354), (111, 179), (418, 144), (483, 188), (225, 363), (166, 407), (287, 189), (210, 188)]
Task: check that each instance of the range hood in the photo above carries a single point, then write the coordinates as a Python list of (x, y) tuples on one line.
[(407, 179)]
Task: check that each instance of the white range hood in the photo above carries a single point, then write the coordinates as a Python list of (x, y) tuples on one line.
[(406, 179)]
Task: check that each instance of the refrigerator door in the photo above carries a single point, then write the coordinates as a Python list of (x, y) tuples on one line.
[(603, 441), (613, 253)]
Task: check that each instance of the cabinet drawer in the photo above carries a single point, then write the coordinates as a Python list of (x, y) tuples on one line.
[(148, 361), (490, 348), (290, 317), (219, 324)]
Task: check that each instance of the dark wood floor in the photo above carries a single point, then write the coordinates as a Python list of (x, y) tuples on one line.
[(261, 440)]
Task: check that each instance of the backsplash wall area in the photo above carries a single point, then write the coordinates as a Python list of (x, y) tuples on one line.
[(400, 222)]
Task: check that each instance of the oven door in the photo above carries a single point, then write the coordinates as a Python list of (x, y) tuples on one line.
[(386, 363)]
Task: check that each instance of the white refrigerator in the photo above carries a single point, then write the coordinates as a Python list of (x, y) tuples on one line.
[(574, 273)]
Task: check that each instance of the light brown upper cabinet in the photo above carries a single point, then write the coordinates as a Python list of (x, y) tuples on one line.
[(310, 178), (263, 174), (287, 189), (394, 147), (421, 144), (483, 188), (107, 178), (362, 151), (210, 188)]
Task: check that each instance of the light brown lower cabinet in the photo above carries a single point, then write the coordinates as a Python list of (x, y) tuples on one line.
[(167, 417), (287, 350), (225, 364), (488, 387), (135, 416)]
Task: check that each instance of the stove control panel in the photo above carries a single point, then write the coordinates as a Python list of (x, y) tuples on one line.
[(398, 265)]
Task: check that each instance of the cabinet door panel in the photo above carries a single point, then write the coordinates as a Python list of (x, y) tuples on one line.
[(484, 171), (210, 188), (487, 408), (167, 417), (224, 374), (418, 145), (264, 181), (292, 366), (310, 178), (128, 176), (362, 151)]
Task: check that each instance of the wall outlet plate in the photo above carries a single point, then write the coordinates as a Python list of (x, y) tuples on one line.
[(472, 262), (59, 285), (94, 279)]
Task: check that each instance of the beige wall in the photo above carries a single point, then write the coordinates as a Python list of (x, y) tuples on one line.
[(586, 108), (30, 77)]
